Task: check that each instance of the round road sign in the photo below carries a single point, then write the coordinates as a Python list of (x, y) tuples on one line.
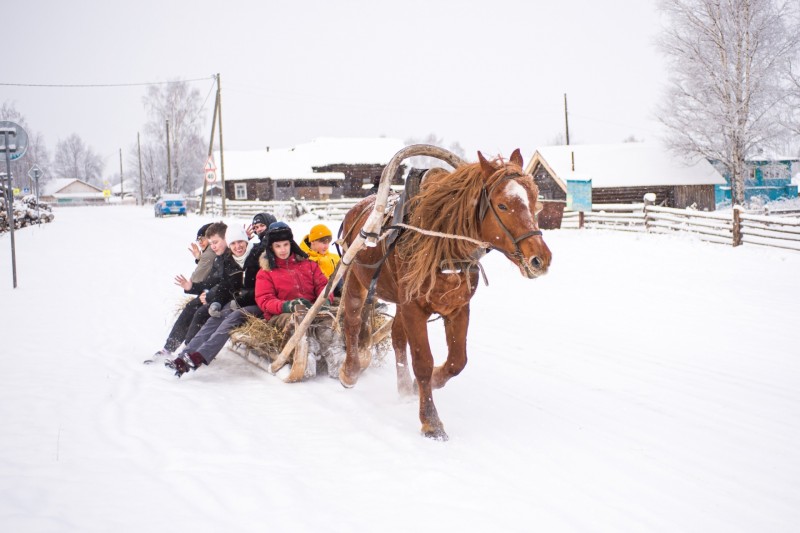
[(15, 136)]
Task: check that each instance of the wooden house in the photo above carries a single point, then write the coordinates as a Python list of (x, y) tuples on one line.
[(624, 173), (324, 168), (65, 191), (768, 178)]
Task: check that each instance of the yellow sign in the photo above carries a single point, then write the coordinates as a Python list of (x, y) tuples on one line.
[(106, 193), (15, 190)]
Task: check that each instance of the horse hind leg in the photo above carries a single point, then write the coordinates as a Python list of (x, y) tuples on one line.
[(365, 336), (353, 303), (405, 386)]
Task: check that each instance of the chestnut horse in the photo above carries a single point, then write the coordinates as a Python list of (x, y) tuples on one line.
[(477, 207)]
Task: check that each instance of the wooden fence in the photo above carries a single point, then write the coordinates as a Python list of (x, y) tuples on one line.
[(780, 229), (735, 228), (286, 209)]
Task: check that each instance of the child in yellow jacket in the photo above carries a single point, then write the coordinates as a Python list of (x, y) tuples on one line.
[(317, 245)]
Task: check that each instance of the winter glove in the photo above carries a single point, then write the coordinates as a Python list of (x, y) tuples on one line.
[(290, 305), (214, 309)]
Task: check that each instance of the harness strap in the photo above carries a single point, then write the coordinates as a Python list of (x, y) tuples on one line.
[(373, 284)]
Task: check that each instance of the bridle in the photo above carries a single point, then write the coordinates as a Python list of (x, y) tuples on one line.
[(486, 204)]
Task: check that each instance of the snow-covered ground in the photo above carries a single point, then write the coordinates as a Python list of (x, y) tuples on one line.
[(648, 383)]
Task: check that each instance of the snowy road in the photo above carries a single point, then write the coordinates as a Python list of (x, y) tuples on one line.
[(648, 383)]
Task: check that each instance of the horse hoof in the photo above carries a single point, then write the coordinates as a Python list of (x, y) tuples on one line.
[(346, 381), (435, 434)]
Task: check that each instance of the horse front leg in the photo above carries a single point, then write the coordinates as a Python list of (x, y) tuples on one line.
[(455, 327), (399, 342), (415, 320), (353, 303)]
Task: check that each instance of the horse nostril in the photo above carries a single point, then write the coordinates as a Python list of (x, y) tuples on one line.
[(536, 262)]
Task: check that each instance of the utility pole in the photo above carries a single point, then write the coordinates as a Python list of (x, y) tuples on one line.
[(121, 179), (566, 117), (221, 150), (169, 163), (141, 186), (210, 153)]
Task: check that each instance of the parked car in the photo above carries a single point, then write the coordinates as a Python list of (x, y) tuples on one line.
[(170, 204)]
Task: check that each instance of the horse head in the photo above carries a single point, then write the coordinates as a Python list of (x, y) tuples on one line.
[(507, 213)]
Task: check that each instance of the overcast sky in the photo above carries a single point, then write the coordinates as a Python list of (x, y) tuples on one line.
[(490, 75)]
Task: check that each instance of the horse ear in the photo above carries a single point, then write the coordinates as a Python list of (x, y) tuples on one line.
[(516, 158), (487, 167)]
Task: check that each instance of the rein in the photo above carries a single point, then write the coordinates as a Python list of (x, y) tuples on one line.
[(486, 204)]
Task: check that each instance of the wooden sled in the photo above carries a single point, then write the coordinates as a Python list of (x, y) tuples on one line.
[(264, 355)]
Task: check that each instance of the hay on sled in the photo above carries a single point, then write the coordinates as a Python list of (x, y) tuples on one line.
[(259, 341)]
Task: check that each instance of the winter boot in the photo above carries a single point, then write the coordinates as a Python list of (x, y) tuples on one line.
[(185, 362)]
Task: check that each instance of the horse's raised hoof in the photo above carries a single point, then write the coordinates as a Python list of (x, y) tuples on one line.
[(435, 433)]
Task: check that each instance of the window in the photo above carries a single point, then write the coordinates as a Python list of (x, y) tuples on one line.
[(240, 192)]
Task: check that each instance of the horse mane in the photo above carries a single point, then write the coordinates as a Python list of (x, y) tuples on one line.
[(447, 202)]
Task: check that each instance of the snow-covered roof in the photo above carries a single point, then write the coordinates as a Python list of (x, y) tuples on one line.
[(625, 165), (58, 185), (199, 191), (353, 151), (299, 161)]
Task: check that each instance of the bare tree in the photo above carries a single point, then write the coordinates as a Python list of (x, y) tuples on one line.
[(36, 153), (74, 159), (435, 140), (153, 169), (792, 118), (728, 64), (181, 105)]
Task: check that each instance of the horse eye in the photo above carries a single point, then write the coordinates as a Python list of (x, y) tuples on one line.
[(502, 207)]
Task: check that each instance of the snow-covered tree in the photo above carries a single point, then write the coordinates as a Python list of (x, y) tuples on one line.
[(74, 159), (792, 119), (36, 152), (728, 61), (182, 106), (430, 162)]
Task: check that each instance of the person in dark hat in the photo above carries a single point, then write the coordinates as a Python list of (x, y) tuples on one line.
[(260, 225), (279, 232), (203, 255)]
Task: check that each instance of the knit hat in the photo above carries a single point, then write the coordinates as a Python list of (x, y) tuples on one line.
[(264, 218), (236, 234), (202, 231), (320, 231)]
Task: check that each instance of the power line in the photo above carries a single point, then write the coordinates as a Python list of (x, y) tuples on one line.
[(84, 85)]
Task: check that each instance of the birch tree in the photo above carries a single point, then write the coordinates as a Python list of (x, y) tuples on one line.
[(728, 62), (181, 105), (75, 160)]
